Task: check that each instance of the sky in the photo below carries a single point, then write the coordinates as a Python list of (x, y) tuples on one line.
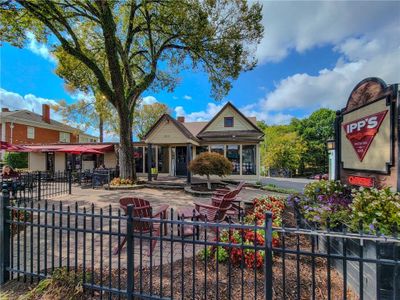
[(311, 56)]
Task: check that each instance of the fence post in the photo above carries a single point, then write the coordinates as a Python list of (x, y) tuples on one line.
[(39, 186), (4, 237), (69, 182), (268, 256), (129, 252)]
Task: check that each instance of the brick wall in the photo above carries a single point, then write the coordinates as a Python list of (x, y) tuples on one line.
[(42, 135)]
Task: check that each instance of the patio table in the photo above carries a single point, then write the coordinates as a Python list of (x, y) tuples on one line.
[(188, 214)]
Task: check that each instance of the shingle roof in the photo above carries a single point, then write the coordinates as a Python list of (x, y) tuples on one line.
[(28, 116), (194, 127)]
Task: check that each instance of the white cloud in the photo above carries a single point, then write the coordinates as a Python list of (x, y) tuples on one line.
[(362, 33), (187, 97), (30, 102), (204, 115), (300, 26), (39, 49), (149, 100)]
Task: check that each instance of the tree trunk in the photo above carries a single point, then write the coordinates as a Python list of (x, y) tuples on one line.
[(101, 129), (208, 182), (126, 160)]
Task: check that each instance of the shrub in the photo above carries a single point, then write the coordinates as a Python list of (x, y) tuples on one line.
[(17, 160), (375, 210), (210, 163)]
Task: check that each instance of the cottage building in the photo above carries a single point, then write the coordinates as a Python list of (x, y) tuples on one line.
[(174, 143), (168, 147)]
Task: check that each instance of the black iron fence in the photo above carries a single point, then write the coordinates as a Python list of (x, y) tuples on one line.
[(187, 258), (39, 185)]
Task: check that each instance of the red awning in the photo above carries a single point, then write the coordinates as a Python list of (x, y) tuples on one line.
[(66, 148), (9, 147)]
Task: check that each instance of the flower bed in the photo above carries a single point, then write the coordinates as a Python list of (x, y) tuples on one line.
[(249, 257), (334, 205)]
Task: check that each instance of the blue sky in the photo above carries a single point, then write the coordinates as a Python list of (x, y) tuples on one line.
[(311, 56)]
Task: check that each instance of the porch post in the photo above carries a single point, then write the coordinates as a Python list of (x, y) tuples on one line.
[(189, 159), (149, 161)]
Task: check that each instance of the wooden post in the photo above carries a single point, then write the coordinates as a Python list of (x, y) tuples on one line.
[(188, 160), (149, 161)]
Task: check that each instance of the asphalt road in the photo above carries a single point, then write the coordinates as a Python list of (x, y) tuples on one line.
[(288, 183)]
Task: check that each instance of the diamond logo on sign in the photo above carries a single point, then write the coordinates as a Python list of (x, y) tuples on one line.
[(362, 132)]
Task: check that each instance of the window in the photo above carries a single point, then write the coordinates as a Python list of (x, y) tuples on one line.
[(201, 149), (64, 137), (218, 149), (233, 154), (249, 160), (138, 155), (228, 122), (31, 133)]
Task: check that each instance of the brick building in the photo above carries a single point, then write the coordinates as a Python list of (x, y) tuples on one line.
[(26, 127)]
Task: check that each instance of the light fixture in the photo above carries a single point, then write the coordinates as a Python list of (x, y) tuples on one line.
[(330, 144)]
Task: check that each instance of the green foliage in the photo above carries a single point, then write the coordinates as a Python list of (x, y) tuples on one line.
[(284, 149), (129, 47), (211, 163), (17, 160), (221, 254), (375, 210), (206, 253), (146, 116), (315, 131)]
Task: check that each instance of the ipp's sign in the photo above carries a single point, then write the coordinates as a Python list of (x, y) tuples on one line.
[(366, 131), (361, 132)]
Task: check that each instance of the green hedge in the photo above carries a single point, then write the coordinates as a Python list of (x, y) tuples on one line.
[(17, 160)]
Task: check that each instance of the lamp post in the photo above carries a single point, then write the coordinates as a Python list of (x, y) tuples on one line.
[(331, 145)]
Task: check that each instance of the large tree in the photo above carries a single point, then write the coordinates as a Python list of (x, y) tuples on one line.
[(132, 46), (283, 148)]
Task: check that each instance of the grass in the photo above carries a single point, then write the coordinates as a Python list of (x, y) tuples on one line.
[(273, 188)]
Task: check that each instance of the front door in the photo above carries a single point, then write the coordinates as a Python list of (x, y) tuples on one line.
[(50, 162), (181, 162)]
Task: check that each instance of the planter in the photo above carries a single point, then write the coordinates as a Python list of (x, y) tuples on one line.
[(378, 280)]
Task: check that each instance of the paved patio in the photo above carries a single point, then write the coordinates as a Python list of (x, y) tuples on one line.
[(41, 248)]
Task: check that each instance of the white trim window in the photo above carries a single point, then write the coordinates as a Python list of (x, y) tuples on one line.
[(65, 137), (30, 132)]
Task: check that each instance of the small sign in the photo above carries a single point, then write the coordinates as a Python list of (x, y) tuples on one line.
[(361, 132), (361, 181)]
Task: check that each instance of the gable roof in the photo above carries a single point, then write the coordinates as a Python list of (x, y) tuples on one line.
[(36, 120), (197, 130), (229, 104), (178, 124)]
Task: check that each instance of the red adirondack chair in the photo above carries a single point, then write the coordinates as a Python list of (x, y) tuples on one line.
[(216, 213), (222, 191), (217, 198), (143, 209)]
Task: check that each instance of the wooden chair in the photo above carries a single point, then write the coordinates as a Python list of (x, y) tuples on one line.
[(216, 213), (235, 209), (222, 191), (143, 209)]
